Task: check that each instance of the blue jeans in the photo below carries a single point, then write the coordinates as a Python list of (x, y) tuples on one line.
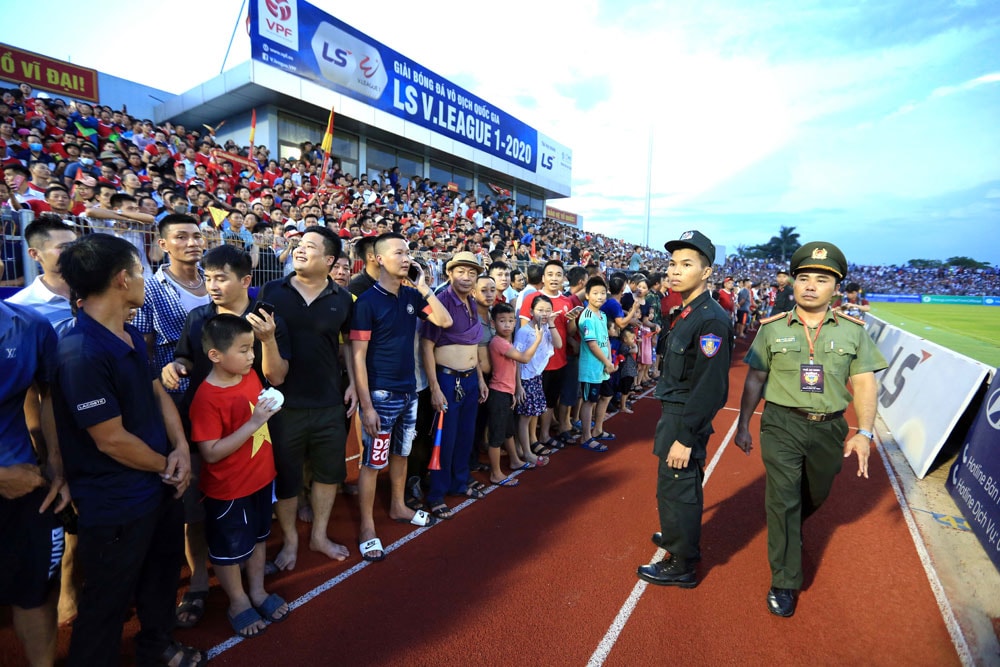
[(457, 437)]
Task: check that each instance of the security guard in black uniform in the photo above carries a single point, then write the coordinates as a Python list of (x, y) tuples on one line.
[(693, 386), (801, 361)]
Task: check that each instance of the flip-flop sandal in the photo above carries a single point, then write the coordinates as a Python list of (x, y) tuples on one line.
[(593, 445), (605, 436), (442, 511), (508, 481), (193, 604), (270, 606), (189, 656), (372, 546), (421, 518), (541, 462), (475, 491), (242, 621)]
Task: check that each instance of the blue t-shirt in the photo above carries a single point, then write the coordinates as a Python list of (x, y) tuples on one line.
[(612, 309), (593, 327), (100, 377), (27, 355), (388, 322)]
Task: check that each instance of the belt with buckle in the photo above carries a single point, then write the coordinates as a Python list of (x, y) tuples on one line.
[(460, 374), (816, 416)]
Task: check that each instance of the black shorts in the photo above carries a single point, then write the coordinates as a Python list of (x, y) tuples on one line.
[(31, 550), (742, 316), (316, 434), (591, 392), (233, 528), (552, 384), (625, 383), (500, 407)]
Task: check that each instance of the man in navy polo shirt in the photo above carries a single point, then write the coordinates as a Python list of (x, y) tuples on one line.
[(126, 458), (31, 536), (386, 381)]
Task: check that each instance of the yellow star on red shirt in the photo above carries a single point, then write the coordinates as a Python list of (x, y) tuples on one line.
[(260, 436)]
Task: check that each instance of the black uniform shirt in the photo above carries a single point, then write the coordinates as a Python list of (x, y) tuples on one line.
[(784, 300), (314, 329), (695, 370)]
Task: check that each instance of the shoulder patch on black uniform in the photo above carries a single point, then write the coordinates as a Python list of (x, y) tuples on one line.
[(773, 318), (851, 319)]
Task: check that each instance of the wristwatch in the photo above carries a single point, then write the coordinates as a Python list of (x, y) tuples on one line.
[(867, 434)]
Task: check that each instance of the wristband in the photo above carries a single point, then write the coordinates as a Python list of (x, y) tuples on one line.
[(867, 434)]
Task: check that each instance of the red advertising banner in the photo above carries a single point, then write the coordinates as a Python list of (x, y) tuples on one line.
[(54, 76), (562, 216), (223, 156)]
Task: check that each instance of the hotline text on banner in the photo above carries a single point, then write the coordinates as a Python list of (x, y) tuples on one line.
[(974, 481), (301, 39)]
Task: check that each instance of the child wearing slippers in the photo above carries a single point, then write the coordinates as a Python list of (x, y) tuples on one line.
[(504, 358), (596, 366), (229, 415), (531, 395)]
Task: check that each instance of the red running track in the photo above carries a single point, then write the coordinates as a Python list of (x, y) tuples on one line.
[(536, 575)]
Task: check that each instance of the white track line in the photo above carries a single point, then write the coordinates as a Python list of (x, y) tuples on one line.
[(611, 636), (947, 613)]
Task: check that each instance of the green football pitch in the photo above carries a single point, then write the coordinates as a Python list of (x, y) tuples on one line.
[(970, 330)]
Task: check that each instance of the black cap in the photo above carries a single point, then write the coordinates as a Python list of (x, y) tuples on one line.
[(696, 240)]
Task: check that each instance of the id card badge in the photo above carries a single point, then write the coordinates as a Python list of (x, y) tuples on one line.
[(811, 378)]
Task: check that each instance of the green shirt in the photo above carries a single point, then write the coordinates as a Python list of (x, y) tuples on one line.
[(843, 348)]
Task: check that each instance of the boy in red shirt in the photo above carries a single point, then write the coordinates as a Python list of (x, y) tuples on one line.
[(229, 417)]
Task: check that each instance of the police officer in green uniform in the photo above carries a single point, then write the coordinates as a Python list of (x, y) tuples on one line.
[(801, 361), (693, 386)]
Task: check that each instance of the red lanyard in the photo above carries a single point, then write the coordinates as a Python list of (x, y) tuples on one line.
[(812, 341), (684, 313)]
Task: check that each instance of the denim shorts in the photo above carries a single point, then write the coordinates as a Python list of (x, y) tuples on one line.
[(397, 414)]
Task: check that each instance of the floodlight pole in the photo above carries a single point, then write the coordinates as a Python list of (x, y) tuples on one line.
[(649, 183), (233, 36)]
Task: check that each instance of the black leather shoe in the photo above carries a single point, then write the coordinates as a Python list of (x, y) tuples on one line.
[(670, 572), (657, 539), (781, 601)]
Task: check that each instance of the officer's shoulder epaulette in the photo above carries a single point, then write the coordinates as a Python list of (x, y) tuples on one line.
[(850, 319), (773, 318)]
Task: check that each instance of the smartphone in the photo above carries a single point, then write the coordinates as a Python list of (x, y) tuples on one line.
[(574, 313), (263, 307), (414, 272)]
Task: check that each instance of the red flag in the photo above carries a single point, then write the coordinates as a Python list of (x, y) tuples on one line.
[(502, 192), (253, 128)]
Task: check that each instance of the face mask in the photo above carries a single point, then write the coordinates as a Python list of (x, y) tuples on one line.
[(86, 161), (35, 147)]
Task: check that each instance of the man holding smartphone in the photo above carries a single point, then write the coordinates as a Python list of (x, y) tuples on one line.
[(386, 383)]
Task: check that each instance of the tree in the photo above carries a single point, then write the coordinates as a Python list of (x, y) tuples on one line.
[(780, 247), (967, 263), (924, 263)]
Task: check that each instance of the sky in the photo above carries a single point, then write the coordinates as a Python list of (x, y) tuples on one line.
[(869, 124)]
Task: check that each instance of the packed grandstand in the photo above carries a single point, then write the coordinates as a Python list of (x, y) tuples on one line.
[(71, 159)]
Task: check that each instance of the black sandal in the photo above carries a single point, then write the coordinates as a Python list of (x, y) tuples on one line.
[(441, 511), (190, 656), (193, 604), (538, 449)]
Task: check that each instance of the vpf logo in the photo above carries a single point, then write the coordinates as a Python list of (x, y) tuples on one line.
[(279, 9)]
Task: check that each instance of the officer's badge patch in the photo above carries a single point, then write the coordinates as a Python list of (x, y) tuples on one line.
[(409, 308), (786, 339), (709, 344), (819, 253), (687, 236)]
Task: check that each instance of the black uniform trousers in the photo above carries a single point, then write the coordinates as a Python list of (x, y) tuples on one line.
[(137, 561), (801, 459), (680, 496)]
